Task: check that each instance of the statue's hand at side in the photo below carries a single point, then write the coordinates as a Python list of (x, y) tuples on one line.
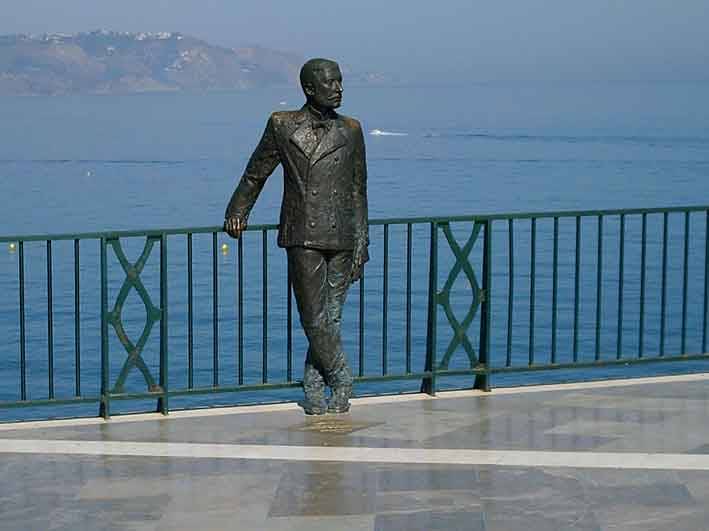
[(359, 258), (234, 226)]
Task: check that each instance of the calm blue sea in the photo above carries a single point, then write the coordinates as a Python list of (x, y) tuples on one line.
[(90, 163)]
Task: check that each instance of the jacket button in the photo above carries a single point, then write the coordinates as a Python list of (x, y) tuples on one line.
[(333, 225), (315, 191), (312, 224), (337, 159), (334, 191)]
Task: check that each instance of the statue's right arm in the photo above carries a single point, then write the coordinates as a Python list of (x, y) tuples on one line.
[(262, 163)]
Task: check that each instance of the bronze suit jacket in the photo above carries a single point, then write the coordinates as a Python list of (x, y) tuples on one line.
[(325, 183)]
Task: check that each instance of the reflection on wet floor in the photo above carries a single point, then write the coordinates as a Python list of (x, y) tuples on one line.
[(154, 492)]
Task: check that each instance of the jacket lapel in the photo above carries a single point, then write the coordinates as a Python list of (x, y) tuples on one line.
[(304, 138), (333, 140), (296, 133)]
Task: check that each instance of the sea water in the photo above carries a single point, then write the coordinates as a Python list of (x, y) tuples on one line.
[(75, 164)]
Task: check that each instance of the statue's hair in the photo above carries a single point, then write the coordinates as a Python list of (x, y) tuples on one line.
[(311, 68)]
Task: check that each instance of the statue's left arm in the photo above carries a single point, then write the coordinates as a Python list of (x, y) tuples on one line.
[(361, 254)]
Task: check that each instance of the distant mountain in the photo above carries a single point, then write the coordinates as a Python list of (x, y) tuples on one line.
[(118, 62)]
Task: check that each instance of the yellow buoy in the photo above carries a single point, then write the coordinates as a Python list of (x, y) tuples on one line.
[(12, 247), (225, 248)]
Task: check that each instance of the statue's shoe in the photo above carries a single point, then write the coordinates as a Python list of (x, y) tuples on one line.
[(340, 400), (313, 402), (341, 384), (313, 408)]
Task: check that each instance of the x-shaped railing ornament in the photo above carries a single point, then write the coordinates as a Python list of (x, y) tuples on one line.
[(460, 328), (153, 314)]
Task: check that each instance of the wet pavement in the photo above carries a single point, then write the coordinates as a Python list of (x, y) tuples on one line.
[(631, 455)]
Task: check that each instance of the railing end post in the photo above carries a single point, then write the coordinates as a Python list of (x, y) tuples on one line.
[(104, 409), (163, 405), (428, 385), (482, 381)]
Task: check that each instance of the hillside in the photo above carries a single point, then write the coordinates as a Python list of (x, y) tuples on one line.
[(117, 62)]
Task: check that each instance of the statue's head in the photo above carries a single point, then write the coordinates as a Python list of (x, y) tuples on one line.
[(321, 81)]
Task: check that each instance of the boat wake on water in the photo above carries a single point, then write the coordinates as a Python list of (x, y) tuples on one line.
[(379, 132)]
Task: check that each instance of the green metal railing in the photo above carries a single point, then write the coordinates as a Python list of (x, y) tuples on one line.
[(522, 292)]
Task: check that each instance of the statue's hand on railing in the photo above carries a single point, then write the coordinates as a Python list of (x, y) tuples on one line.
[(234, 226)]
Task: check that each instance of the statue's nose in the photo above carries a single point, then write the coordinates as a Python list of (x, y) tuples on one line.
[(338, 87)]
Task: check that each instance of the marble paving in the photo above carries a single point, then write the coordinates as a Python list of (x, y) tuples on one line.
[(623, 455)]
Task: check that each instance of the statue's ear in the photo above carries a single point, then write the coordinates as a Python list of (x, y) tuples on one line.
[(308, 89)]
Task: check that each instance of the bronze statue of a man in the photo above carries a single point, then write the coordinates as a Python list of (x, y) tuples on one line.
[(323, 221)]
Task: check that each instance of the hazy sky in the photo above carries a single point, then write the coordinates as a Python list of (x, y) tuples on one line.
[(454, 39)]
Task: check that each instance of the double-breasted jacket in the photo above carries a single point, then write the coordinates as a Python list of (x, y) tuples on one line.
[(324, 180)]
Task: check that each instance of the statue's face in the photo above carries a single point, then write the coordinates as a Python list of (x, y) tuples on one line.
[(326, 89)]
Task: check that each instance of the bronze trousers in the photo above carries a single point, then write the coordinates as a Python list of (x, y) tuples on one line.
[(320, 281)]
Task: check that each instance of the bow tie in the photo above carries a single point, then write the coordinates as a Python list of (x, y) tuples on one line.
[(321, 124)]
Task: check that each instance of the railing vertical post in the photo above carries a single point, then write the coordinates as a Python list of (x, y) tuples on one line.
[(240, 305), (77, 321), (599, 288), (706, 284), (264, 306), (577, 285), (429, 383), (555, 289), (289, 328), (532, 288), (643, 276), (23, 353), (105, 407), (510, 289), (163, 405), (685, 284), (215, 313), (50, 323), (482, 381), (190, 316), (663, 302), (408, 297), (360, 365), (621, 273), (385, 304)]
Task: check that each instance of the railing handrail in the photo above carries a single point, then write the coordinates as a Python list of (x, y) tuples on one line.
[(374, 221)]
